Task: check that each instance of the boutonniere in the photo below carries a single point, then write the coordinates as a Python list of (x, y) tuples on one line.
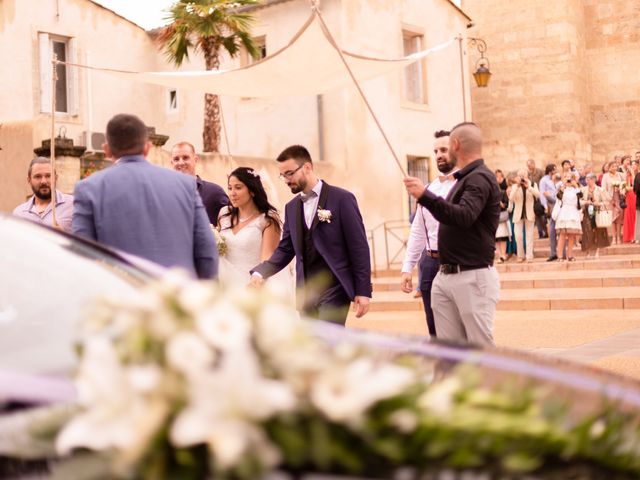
[(324, 215)]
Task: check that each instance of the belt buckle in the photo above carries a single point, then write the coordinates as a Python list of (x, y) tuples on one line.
[(449, 269)]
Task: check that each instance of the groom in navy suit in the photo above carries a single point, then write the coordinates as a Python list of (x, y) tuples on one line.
[(323, 230)]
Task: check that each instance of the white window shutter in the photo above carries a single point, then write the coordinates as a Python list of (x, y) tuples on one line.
[(44, 55), (73, 80)]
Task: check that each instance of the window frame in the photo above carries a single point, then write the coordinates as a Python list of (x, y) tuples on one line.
[(421, 96), (46, 42)]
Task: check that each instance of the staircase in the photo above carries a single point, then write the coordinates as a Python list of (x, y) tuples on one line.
[(587, 310)]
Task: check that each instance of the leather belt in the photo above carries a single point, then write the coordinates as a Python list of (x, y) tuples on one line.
[(433, 254), (448, 269)]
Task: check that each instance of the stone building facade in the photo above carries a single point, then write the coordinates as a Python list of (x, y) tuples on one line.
[(565, 79)]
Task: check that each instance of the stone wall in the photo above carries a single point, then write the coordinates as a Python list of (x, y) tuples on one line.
[(565, 81)]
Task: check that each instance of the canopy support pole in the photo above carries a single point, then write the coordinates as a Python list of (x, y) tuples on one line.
[(327, 32), (52, 149)]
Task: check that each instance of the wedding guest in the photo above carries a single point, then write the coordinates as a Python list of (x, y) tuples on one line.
[(142, 209), (629, 222), (423, 237), (593, 199), (636, 190), (39, 207), (465, 291), (512, 246), (184, 160), (522, 195), (548, 197), (605, 169), (503, 233), (568, 220), (612, 183)]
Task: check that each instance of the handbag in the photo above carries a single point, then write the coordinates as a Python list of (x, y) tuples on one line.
[(556, 210), (623, 202), (538, 209), (504, 216), (603, 218)]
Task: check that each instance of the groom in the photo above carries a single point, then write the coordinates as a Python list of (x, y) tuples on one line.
[(323, 229)]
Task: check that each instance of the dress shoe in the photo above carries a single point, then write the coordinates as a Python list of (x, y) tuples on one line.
[(552, 258)]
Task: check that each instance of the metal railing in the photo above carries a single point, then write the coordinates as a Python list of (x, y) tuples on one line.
[(395, 234)]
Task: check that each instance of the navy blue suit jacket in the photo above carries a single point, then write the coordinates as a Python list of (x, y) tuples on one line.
[(342, 242), (148, 211), (214, 198)]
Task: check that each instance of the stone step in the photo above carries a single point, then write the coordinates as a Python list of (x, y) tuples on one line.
[(591, 298), (542, 279)]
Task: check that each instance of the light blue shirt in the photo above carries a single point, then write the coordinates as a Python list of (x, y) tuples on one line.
[(547, 185), (64, 211)]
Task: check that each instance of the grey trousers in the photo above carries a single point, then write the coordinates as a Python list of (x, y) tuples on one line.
[(464, 305)]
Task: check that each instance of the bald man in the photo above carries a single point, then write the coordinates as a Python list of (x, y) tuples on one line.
[(465, 291)]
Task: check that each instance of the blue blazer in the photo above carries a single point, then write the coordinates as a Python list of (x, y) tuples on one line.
[(341, 242), (148, 211)]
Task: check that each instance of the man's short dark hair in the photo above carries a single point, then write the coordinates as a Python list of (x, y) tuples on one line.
[(126, 135), (442, 133), (37, 161), (295, 152), (548, 170), (565, 161)]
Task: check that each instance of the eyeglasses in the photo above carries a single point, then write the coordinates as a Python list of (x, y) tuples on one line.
[(288, 175)]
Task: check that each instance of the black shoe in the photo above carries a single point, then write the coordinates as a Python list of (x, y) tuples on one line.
[(552, 258)]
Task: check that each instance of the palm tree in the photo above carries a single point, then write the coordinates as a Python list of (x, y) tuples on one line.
[(208, 26)]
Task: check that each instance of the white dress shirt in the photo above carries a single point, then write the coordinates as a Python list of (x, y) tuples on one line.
[(424, 222), (310, 205)]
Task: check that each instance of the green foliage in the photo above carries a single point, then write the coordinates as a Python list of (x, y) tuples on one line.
[(208, 26)]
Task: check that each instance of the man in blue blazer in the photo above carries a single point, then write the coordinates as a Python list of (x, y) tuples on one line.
[(323, 230), (144, 209)]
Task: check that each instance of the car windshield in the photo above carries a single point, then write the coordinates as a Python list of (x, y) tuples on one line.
[(47, 281)]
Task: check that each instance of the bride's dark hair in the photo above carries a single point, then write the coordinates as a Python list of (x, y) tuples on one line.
[(251, 179)]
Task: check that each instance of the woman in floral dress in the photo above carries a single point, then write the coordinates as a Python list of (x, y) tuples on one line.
[(593, 199), (611, 184)]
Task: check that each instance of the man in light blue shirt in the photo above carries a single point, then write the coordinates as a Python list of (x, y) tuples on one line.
[(548, 199)]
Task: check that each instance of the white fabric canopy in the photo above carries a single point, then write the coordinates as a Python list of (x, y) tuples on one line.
[(308, 65)]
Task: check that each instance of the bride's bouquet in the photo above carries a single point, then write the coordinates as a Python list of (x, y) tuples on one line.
[(221, 243)]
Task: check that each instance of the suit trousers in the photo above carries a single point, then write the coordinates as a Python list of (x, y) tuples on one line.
[(527, 226), (428, 270), (332, 306), (464, 305)]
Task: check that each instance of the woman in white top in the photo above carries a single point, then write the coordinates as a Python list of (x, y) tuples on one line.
[(568, 222), (250, 227)]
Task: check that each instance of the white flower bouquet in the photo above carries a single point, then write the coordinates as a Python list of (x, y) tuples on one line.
[(191, 381)]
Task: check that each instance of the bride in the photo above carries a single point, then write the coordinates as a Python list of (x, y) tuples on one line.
[(250, 227)]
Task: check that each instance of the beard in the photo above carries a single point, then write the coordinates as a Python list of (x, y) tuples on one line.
[(43, 193), (444, 166), (298, 187)]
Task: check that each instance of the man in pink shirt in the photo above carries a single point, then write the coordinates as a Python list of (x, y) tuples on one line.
[(39, 207)]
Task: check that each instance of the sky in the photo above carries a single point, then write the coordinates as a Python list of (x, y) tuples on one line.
[(146, 13)]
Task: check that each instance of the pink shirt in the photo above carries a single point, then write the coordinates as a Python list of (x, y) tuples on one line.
[(64, 211)]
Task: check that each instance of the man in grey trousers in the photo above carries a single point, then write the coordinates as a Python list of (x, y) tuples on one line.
[(466, 289)]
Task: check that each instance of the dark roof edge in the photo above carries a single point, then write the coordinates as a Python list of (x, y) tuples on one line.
[(450, 2)]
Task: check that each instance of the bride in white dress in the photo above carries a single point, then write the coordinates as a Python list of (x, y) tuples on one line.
[(251, 229)]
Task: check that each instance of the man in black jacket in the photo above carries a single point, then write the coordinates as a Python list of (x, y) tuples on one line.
[(465, 291), (184, 159)]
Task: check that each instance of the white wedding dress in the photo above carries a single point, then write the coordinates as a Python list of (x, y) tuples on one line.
[(243, 253)]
